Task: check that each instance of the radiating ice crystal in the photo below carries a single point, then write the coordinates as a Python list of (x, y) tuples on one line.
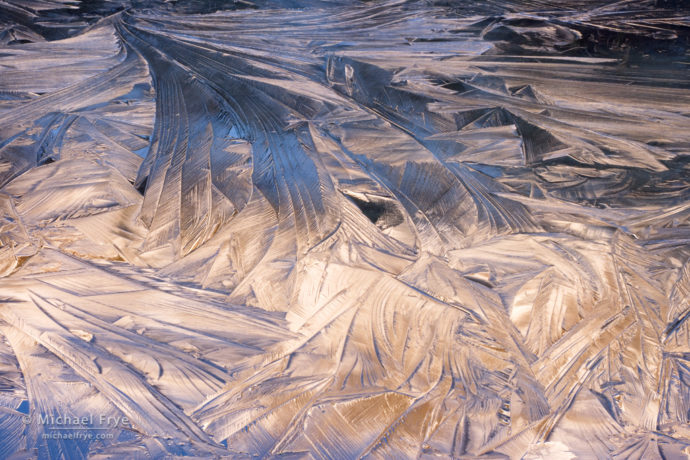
[(342, 229)]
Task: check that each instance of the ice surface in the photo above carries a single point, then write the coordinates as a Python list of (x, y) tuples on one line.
[(340, 229)]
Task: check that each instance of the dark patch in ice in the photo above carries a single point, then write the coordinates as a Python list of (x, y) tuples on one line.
[(379, 211), (141, 186)]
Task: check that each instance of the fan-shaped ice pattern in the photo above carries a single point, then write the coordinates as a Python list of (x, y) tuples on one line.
[(340, 229)]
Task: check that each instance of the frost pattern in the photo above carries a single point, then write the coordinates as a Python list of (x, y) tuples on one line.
[(390, 229)]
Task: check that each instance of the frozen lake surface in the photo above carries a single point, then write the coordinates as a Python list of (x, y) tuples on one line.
[(342, 229)]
